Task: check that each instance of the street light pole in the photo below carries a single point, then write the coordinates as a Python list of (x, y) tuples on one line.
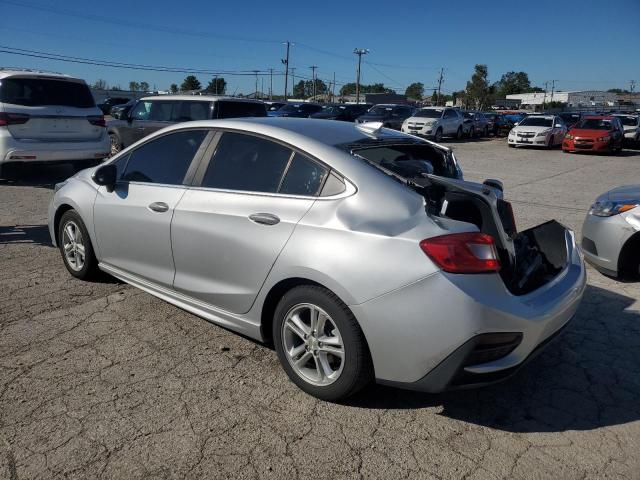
[(313, 79), (285, 61), (359, 52)]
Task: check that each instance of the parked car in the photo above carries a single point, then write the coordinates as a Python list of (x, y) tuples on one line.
[(538, 131), (223, 219), (154, 113), (273, 106), (391, 115), (498, 124), (611, 232), (631, 125), (111, 102), (347, 112), (48, 118), (297, 110), (570, 118), (475, 124), (435, 122), (595, 133), (121, 111)]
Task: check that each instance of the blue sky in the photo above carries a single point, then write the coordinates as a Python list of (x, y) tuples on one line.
[(582, 44)]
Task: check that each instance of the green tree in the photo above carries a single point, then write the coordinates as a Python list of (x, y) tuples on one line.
[(144, 86), (535, 90), (190, 83), (304, 88), (415, 90), (617, 90), (477, 91), (134, 86), (299, 90), (173, 88), (511, 83), (217, 85), (100, 84), (434, 97), (350, 89)]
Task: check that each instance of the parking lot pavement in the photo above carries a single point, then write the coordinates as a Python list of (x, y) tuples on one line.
[(99, 380)]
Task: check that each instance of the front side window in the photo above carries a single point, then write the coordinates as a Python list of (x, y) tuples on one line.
[(164, 160), (141, 111), (247, 163)]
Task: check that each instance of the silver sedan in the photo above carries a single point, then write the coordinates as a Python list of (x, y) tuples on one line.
[(611, 232), (358, 251)]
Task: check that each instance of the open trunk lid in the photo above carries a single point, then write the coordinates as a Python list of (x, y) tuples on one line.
[(529, 259)]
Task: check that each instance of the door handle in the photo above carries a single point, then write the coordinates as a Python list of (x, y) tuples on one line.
[(264, 218), (140, 129), (158, 207)]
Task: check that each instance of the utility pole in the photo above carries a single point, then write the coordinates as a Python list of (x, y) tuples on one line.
[(359, 52), (544, 99), (255, 95), (440, 80), (632, 86), (313, 80), (553, 88), (271, 84), (285, 61), (215, 81), (333, 88)]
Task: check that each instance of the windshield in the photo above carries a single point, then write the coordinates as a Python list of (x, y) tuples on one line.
[(380, 110), (37, 92), (594, 124), (332, 110), (289, 108), (629, 121), (536, 122), (570, 117), (428, 113)]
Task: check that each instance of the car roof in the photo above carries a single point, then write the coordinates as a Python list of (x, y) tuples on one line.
[(200, 98), (17, 72)]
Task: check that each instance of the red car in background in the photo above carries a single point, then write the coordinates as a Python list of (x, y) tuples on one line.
[(595, 133)]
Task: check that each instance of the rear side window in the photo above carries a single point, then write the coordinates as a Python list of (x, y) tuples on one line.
[(165, 159), (304, 177), (248, 163), (231, 109), (188, 111), (40, 92)]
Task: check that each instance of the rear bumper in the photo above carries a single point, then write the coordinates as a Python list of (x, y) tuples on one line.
[(421, 336), (12, 150)]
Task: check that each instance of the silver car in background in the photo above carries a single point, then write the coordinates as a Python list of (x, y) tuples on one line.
[(538, 131), (358, 251), (435, 122), (611, 232)]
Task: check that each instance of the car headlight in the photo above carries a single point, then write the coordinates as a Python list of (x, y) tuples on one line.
[(608, 209), (568, 136), (543, 133), (604, 139)]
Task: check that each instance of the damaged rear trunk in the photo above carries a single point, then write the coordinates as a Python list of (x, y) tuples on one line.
[(529, 259)]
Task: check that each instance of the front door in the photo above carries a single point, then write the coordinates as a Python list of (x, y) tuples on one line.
[(133, 222)]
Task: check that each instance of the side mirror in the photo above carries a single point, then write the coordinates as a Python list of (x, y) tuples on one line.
[(493, 183), (515, 123), (106, 176), (558, 125)]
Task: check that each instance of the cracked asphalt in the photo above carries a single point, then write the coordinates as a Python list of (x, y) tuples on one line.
[(100, 380)]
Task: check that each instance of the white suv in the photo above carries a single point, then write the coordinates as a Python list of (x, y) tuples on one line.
[(47, 117), (435, 122)]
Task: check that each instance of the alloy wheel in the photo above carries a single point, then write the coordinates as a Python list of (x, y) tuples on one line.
[(73, 246), (312, 344)]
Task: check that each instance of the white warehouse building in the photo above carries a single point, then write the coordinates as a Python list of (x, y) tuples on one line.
[(574, 100)]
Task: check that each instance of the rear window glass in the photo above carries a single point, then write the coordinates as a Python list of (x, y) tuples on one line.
[(37, 92), (240, 109), (409, 161), (629, 121)]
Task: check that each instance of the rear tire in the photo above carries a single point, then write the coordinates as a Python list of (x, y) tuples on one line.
[(75, 246), (306, 358), (459, 133), (486, 132)]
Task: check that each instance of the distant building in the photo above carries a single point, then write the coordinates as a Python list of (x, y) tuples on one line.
[(578, 100)]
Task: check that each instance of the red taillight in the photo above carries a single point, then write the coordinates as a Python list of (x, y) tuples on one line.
[(97, 120), (463, 252), (13, 119)]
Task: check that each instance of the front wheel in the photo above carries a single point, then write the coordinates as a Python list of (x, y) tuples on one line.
[(320, 344), (438, 135), (459, 133), (486, 132), (75, 246)]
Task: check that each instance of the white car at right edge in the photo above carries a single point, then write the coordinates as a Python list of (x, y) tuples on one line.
[(538, 131)]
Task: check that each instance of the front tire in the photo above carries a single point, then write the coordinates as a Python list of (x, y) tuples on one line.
[(438, 136), (320, 344), (459, 133), (75, 246)]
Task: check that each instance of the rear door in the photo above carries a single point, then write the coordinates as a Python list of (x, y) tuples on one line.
[(51, 109), (228, 230), (133, 222)]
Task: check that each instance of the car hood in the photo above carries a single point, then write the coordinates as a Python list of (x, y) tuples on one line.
[(427, 120), (619, 194), (579, 132), (526, 128)]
